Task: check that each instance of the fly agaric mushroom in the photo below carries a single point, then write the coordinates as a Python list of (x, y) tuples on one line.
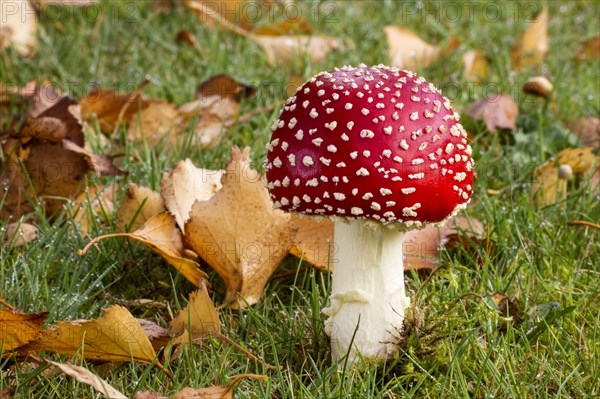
[(380, 151)]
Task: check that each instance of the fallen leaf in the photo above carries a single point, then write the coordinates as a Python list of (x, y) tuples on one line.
[(19, 26), (7, 393), (154, 122), (475, 65), (313, 241), (589, 49), (158, 336), (211, 113), (199, 320), (289, 27), (507, 308), (185, 184), (116, 336), (532, 46), (140, 204), (216, 392), (111, 108), (99, 163), (407, 51), (85, 376), (161, 235), (18, 329), (498, 111), (288, 49), (148, 395), (18, 234), (587, 129), (238, 233), (94, 202), (550, 185)]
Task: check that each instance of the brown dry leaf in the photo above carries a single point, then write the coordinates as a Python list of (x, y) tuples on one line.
[(289, 49), (589, 49), (140, 204), (38, 95), (313, 241), (116, 336), (161, 235), (186, 184), (408, 51), (213, 113), (85, 376), (288, 27), (18, 329), (99, 163), (498, 111), (587, 129), (216, 392), (154, 122), (18, 27), (199, 320), (507, 308), (238, 233), (111, 108), (159, 336), (148, 395), (531, 47), (18, 234), (94, 202), (7, 393), (475, 65), (548, 184)]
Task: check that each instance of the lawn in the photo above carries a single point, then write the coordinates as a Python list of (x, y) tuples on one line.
[(456, 342)]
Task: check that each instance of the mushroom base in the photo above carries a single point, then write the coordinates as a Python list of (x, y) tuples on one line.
[(368, 298)]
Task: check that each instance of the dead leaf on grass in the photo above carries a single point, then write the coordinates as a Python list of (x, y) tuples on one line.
[(406, 50), (476, 65), (550, 182), (216, 392), (532, 46), (116, 336), (313, 241), (154, 122), (18, 329), (19, 234), (238, 233), (587, 129), (140, 204), (224, 87), (19, 26), (186, 184), (498, 111), (159, 336), (111, 108), (589, 49), (85, 376), (161, 235), (148, 395), (198, 320)]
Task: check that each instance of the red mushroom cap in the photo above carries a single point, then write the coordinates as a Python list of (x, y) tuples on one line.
[(370, 142)]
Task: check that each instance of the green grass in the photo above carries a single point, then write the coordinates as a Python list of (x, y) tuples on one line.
[(456, 343)]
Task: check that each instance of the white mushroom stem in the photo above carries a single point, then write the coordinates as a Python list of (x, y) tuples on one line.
[(368, 298)]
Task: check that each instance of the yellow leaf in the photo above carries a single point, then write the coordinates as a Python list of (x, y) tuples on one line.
[(85, 376), (154, 122), (140, 205), (18, 329), (475, 65), (185, 184), (111, 108), (533, 44), (287, 49), (589, 49), (19, 26), (408, 51), (216, 392), (238, 233), (161, 234), (116, 336), (199, 320), (313, 241)]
